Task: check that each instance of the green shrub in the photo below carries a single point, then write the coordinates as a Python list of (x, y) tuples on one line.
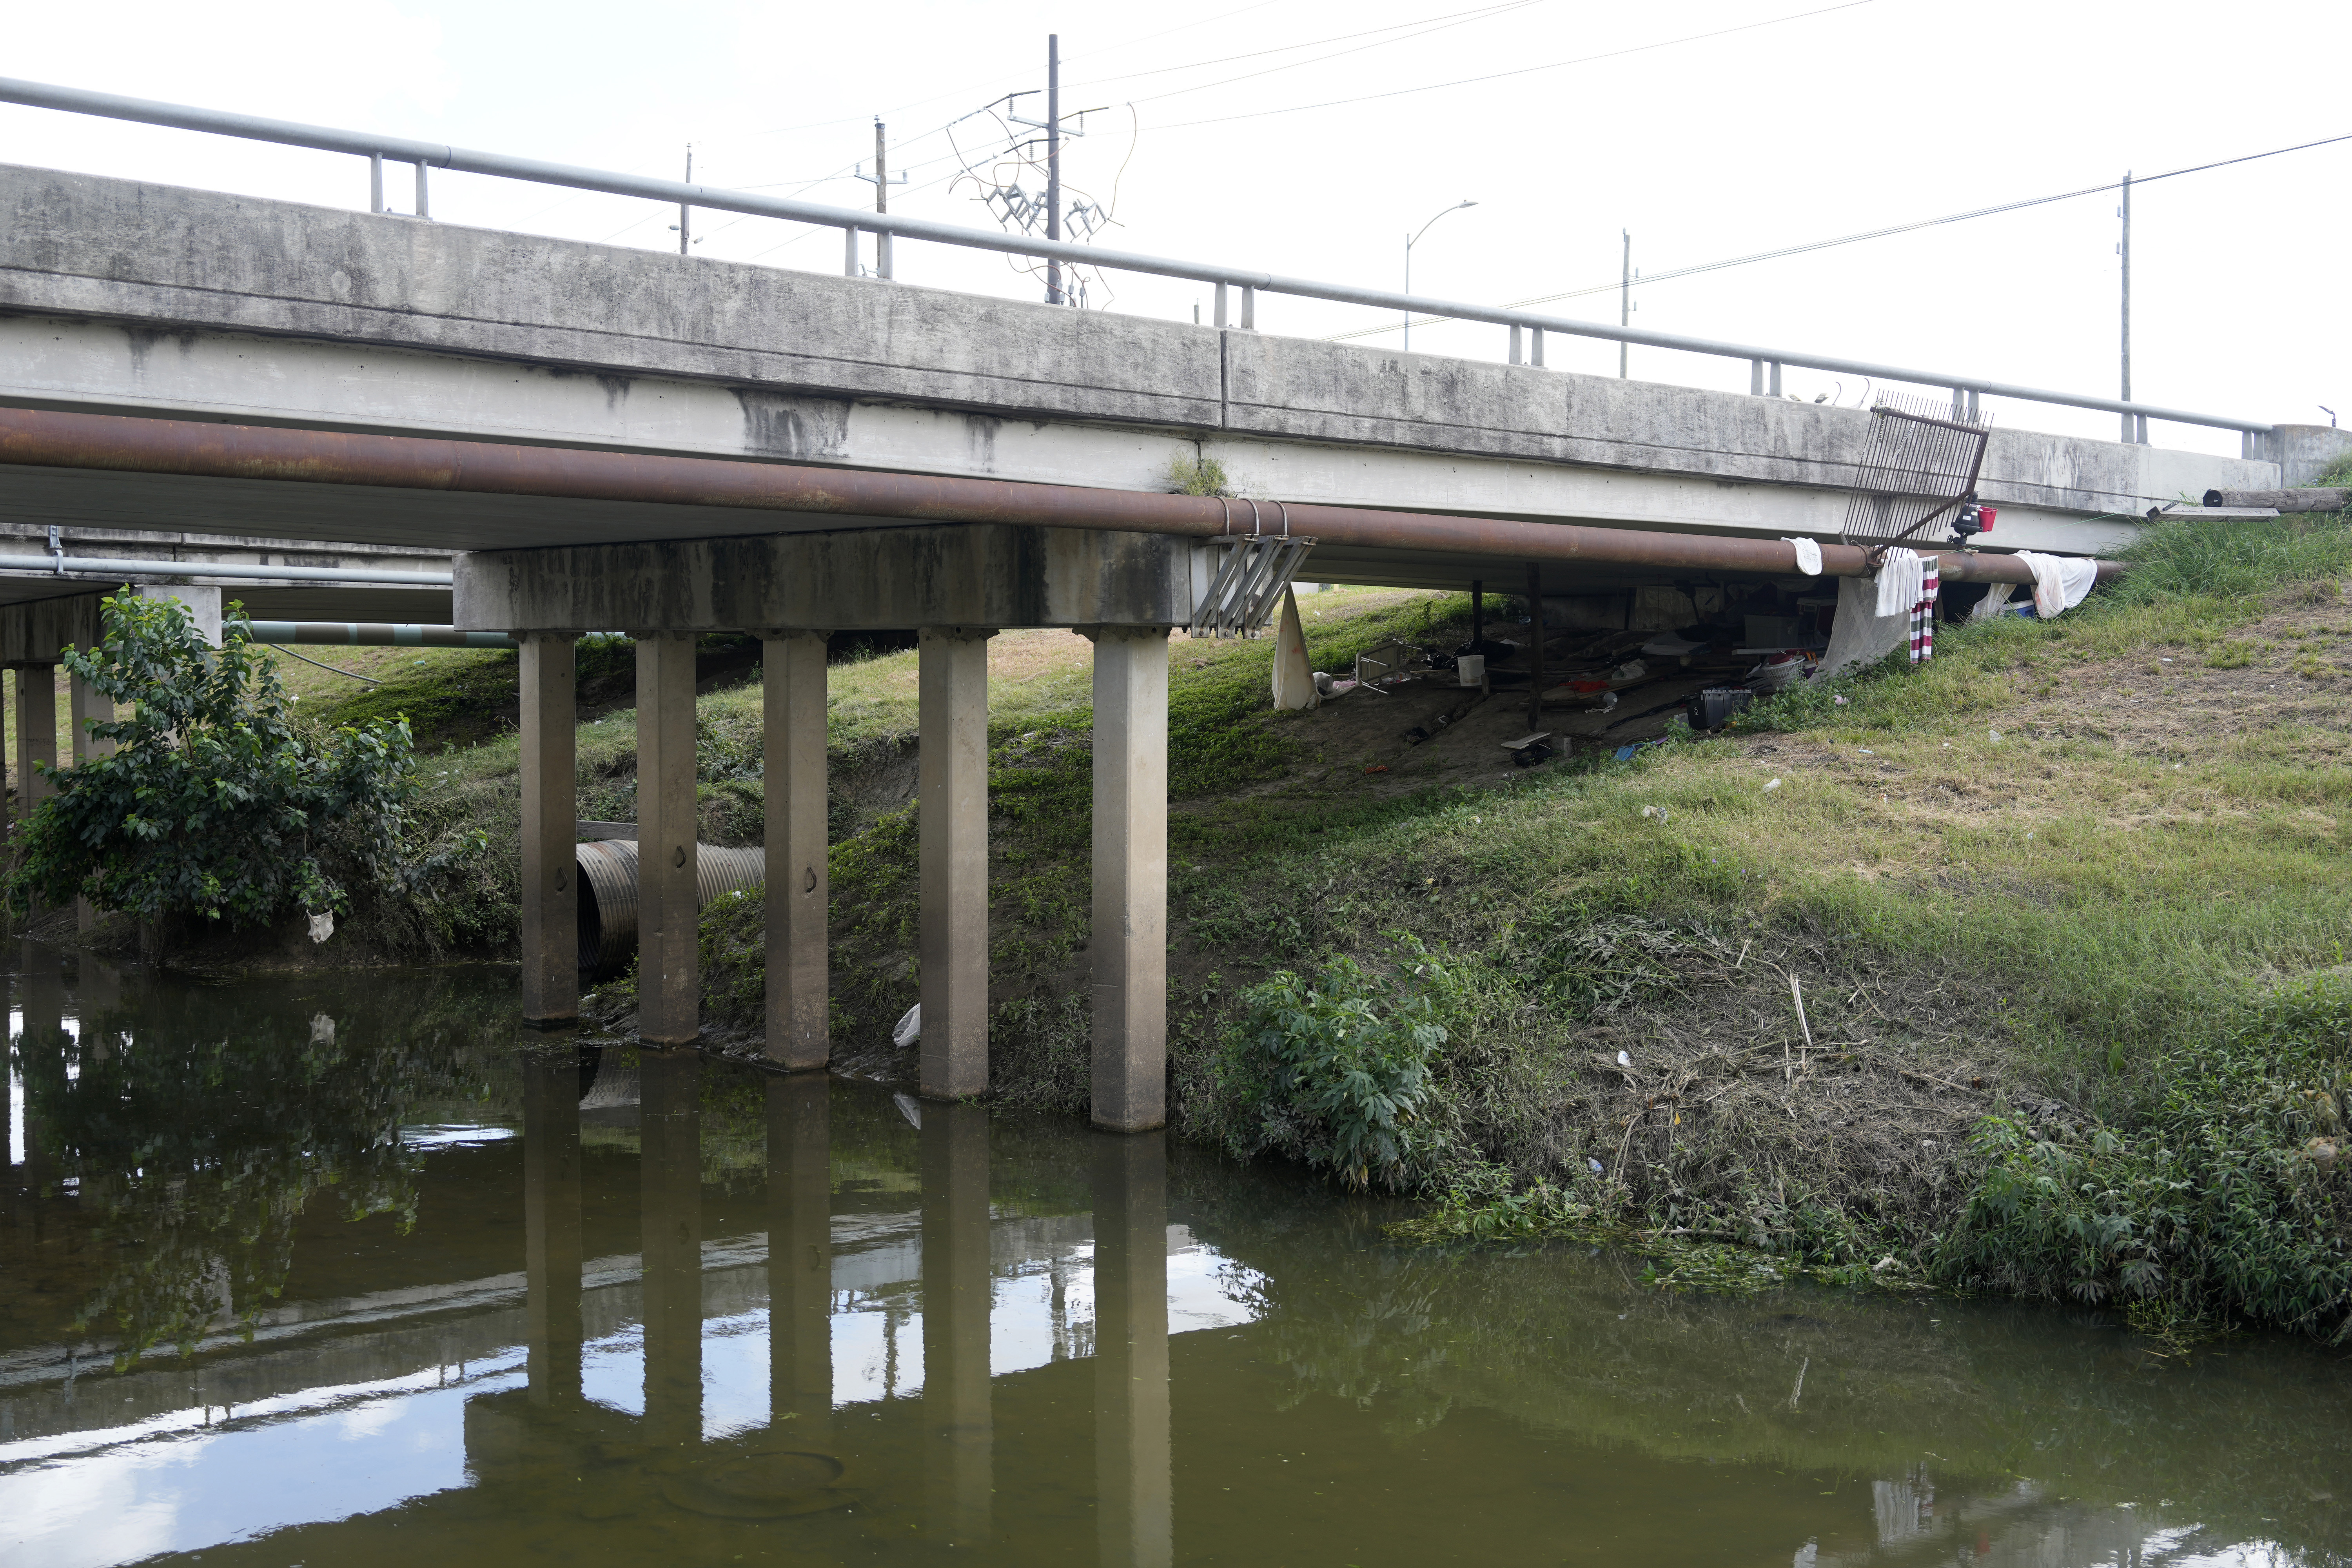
[(1334, 1070), (2225, 1205), (215, 803)]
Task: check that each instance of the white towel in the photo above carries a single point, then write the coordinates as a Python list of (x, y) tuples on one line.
[(1901, 577), (1809, 555), (2060, 582)]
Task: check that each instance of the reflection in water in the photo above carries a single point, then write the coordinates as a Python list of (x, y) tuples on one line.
[(1133, 1503), (800, 1255), (768, 1318), (959, 1426)]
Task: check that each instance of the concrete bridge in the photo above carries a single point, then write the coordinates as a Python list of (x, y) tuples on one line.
[(610, 438)]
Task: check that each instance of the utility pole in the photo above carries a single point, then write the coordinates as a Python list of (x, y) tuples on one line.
[(881, 198), (1053, 161), (1625, 301), (685, 213), (881, 182), (2131, 422)]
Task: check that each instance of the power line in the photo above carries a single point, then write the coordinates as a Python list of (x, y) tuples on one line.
[(1878, 233), (1449, 18), (1523, 70)]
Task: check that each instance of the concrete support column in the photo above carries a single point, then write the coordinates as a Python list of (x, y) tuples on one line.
[(1128, 948), (1134, 1491), (799, 889), (959, 1425), (953, 790), (550, 894), (800, 1257), (668, 964), (37, 735), (550, 1223), (204, 604), (669, 1141), (89, 706)]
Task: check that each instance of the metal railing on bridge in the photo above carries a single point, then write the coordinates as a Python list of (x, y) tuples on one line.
[(1527, 328)]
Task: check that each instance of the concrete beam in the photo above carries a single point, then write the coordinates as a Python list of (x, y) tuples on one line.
[(799, 885), (951, 791), (556, 340), (549, 679), (668, 960), (870, 579), (38, 632), (1128, 949)]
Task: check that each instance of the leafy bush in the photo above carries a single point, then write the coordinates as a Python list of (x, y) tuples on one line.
[(215, 802), (1334, 1070), (2226, 1204)]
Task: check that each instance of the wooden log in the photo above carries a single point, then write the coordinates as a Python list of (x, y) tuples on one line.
[(2310, 499)]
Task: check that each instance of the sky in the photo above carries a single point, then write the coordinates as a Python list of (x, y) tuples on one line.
[(1707, 130)]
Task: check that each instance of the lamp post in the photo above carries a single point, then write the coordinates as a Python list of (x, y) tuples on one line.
[(1411, 240)]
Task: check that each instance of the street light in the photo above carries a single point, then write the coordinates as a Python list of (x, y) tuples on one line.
[(1411, 241)]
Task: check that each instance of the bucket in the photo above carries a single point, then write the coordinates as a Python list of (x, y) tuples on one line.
[(1472, 668)]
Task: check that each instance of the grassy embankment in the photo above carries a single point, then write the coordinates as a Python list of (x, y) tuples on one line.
[(2067, 908)]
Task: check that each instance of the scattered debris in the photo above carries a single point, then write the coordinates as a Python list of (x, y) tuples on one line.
[(908, 1030), (1624, 1059), (1773, 786), (1656, 813)]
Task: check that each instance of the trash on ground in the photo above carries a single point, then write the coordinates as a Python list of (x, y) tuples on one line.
[(1624, 1059), (323, 925), (909, 1028), (1527, 739), (1378, 768), (1773, 786), (1656, 813), (1715, 706)]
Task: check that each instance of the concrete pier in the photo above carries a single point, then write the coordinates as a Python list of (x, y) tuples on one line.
[(799, 891), (952, 817), (958, 583), (668, 962), (959, 1420), (87, 706), (1128, 948), (549, 678), (37, 735)]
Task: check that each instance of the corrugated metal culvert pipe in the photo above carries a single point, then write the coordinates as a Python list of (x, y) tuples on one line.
[(608, 895)]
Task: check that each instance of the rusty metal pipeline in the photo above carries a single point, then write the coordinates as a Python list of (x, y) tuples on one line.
[(123, 444), (608, 895)]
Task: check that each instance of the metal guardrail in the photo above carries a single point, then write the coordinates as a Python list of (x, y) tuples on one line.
[(379, 150)]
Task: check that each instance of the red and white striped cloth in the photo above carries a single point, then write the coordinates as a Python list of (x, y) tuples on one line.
[(1923, 614)]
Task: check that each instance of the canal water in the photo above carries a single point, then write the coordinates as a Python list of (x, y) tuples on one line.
[(349, 1270)]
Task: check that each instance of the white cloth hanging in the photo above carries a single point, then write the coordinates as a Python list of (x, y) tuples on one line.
[(1809, 555), (2060, 582), (1900, 578)]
